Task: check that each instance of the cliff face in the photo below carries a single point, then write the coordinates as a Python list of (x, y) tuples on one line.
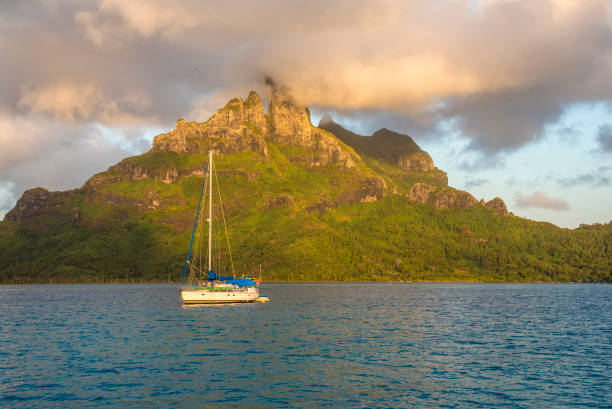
[(244, 125), (441, 198), (448, 198), (498, 206), (290, 126), (37, 202), (240, 125)]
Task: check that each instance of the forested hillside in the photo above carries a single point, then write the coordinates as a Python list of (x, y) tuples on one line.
[(302, 202)]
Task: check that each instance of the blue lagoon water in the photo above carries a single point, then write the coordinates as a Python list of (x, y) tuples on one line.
[(313, 345)]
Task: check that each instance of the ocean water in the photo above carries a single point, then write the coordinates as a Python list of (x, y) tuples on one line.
[(314, 345)]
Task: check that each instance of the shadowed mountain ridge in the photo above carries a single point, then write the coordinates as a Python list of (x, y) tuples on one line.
[(384, 144)]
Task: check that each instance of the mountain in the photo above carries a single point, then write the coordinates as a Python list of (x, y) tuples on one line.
[(411, 169), (385, 145), (305, 202)]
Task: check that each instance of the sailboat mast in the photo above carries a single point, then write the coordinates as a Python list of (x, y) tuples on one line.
[(210, 169)]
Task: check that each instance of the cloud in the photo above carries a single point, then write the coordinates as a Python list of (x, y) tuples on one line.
[(20, 140), (79, 102), (41, 152), (145, 18), (66, 102), (502, 69), (512, 181), (596, 178), (604, 137), (568, 134), (470, 183), (540, 199), (7, 199), (481, 161)]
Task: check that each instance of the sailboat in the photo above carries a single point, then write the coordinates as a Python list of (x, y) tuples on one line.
[(207, 286)]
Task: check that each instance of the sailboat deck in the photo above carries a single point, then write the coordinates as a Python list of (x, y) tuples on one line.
[(218, 289)]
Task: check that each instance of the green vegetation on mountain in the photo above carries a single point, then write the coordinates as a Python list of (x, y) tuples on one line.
[(304, 202)]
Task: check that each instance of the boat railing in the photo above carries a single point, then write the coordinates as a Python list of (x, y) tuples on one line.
[(219, 289)]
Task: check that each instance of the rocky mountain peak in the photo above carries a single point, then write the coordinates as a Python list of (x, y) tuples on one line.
[(326, 120), (240, 125), (289, 122), (253, 98), (498, 206), (385, 145), (244, 125), (36, 202)]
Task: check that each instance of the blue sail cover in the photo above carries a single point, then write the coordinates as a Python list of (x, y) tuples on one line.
[(240, 282), (213, 276)]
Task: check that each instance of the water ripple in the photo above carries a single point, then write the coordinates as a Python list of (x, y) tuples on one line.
[(314, 345)]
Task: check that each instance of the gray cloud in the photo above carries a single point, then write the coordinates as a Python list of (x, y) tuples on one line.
[(540, 199), (482, 161), (568, 134), (470, 183), (406, 65), (531, 182), (512, 181), (604, 137), (597, 178)]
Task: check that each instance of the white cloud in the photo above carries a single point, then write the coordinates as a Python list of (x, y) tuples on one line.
[(144, 17), (67, 102), (20, 140), (84, 102)]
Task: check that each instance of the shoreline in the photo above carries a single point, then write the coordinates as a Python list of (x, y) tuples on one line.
[(323, 282)]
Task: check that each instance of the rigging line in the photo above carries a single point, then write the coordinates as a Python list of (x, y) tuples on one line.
[(197, 245), (199, 238), (195, 252), (219, 253), (194, 226), (200, 271), (225, 225)]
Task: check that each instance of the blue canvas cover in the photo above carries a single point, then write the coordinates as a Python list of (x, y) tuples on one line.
[(213, 276), (240, 282)]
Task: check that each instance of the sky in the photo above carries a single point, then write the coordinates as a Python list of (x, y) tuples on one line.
[(512, 98)]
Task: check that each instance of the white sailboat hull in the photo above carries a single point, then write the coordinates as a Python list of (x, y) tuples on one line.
[(203, 296)]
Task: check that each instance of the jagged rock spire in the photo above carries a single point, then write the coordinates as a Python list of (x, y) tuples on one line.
[(240, 125), (289, 123)]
